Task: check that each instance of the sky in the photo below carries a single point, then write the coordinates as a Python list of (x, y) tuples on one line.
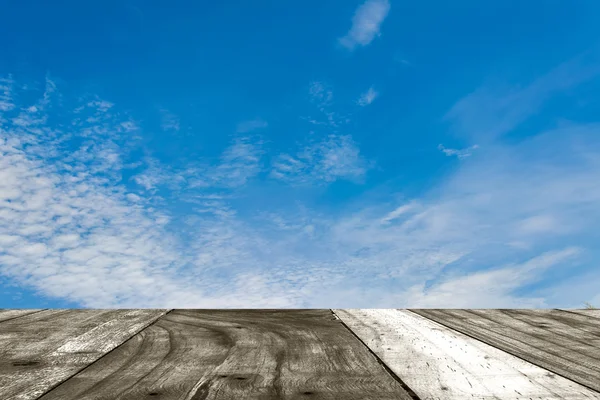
[(309, 154)]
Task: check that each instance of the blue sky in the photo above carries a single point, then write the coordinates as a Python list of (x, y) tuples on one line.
[(299, 154)]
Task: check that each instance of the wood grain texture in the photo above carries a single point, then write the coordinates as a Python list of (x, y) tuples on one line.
[(40, 350), (439, 363), (237, 354), (8, 314), (587, 312), (562, 342)]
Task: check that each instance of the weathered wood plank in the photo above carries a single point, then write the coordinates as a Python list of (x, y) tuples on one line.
[(439, 363), (237, 354), (40, 350), (7, 314), (587, 312), (537, 340), (579, 332)]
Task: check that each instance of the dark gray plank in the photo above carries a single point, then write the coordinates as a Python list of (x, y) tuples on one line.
[(560, 343), (237, 354), (7, 314), (40, 350)]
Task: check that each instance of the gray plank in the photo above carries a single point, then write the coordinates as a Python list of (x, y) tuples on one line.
[(533, 335), (581, 332), (40, 350), (7, 314), (437, 362), (237, 354), (593, 313)]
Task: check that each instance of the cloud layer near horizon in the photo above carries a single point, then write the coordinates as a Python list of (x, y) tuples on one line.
[(73, 228)]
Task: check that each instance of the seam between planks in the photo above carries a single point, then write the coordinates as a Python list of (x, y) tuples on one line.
[(506, 351), (24, 315), (408, 390), (101, 357)]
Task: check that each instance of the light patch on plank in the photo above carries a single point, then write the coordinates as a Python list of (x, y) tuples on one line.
[(106, 336), (42, 349), (437, 362), (236, 354), (562, 342)]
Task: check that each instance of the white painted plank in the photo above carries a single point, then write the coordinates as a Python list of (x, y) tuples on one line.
[(572, 352), (439, 363)]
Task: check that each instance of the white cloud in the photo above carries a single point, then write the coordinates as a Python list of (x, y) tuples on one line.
[(469, 223), (463, 153), (73, 232), (402, 210), (101, 105), (156, 175), (251, 125), (70, 228), (239, 163), (339, 158), (366, 23), (368, 97), (6, 103), (491, 289), (321, 95), (336, 157)]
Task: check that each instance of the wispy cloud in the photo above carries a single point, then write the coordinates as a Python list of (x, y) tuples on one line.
[(251, 125), (337, 157), (239, 162), (101, 106), (494, 288), (396, 213), (367, 97), (6, 94), (496, 211), (71, 228), (493, 110), (156, 175), (398, 58), (67, 228), (462, 153), (321, 95), (169, 121), (366, 23)]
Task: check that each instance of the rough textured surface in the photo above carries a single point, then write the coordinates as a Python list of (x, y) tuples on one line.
[(6, 315), (40, 350), (237, 354), (563, 342), (587, 312), (438, 362), (298, 354)]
